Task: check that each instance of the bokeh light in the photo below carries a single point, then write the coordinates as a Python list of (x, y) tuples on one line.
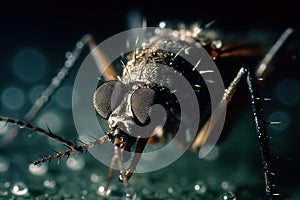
[(28, 62), (50, 119), (288, 92), (63, 97), (12, 98), (279, 116)]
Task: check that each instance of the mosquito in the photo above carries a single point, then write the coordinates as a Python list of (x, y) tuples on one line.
[(126, 100)]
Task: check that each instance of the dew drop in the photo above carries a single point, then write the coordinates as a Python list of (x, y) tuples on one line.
[(79, 45), (38, 169), (69, 55), (19, 189), (130, 194), (162, 24), (76, 163), (101, 191), (228, 196), (4, 164), (3, 193), (95, 178), (170, 190), (157, 31), (6, 184), (200, 187), (49, 183), (227, 186)]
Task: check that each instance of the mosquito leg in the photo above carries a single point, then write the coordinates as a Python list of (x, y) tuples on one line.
[(50, 89), (43, 131), (205, 131), (137, 155), (260, 71), (262, 66), (262, 136), (71, 151), (121, 166), (100, 59), (110, 173), (109, 73)]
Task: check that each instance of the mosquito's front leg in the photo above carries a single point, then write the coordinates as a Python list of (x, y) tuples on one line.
[(109, 73), (141, 143)]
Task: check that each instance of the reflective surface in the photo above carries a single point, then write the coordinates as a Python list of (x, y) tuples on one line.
[(231, 171)]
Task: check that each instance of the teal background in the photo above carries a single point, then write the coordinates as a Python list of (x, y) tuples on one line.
[(53, 28)]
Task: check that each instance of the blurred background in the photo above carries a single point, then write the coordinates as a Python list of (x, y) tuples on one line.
[(35, 38)]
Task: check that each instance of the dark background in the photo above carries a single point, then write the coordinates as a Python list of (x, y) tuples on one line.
[(53, 27)]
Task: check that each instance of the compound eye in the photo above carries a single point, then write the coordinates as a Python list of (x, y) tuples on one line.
[(108, 96), (141, 101)]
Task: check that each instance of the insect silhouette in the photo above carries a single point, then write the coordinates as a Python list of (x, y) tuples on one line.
[(125, 101)]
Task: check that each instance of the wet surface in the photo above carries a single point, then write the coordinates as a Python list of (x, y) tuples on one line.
[(232, 170)]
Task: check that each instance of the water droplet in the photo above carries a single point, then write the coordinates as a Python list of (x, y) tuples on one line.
[(4, 164), (200, 187), (84, 194), (227, 186), (130, 194), (69, 55), (170, 190), (75, 164), (162, 24), (157, 31), (68, 63), (19, 189), (6, 184), (228, 196), (79, 45), (38, 169), (67, 195), (101, 191), (95, 178), (49, 183), (3, 193)]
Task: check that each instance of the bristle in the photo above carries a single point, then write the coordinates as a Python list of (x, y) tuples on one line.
[(197, 64)]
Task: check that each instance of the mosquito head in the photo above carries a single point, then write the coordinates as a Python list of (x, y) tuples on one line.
[(125, 107)]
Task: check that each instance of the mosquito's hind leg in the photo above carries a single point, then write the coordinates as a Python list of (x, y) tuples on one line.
[(262, 136)]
